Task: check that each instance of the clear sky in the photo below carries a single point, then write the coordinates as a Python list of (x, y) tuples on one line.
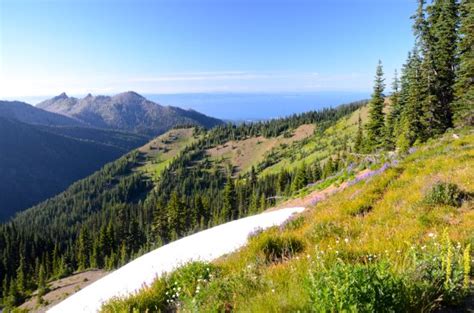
[(183, 46)]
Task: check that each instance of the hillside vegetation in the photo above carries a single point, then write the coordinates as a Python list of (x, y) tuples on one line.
[(36, 164), (165, 190), (371, 247)]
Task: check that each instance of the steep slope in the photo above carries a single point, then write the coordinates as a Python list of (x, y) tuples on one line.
[(123, 140), (29, 114), (35, 164), (399, 241), (163, 191), (126, 111), (203, 246)]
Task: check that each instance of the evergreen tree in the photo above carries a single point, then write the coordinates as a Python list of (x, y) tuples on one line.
[(443, 22), (376, 122), (42, 288), (393, 117), (328, 168), (14, 296), (317, 172), (83, 249), (464, 87), (300, 180), (176, 214), (229, 206), (21, 277), (411, 126), (263, 202), (359, 140)]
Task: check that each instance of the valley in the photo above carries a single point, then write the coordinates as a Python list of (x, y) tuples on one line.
[(308, 196)]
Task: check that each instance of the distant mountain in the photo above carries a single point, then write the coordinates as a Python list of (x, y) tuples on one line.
[(70, 127), (29, 114), (36, 163), (127, 111)]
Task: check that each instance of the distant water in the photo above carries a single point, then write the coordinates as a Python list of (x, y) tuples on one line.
[(246, 106), (238, 106)]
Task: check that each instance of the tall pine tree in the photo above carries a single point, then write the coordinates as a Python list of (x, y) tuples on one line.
[(464, 87), (393, 116), (442, 23), (411, 128), (376, 123)]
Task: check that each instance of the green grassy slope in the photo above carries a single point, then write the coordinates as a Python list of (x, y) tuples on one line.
[(398, 241), (159, 152)]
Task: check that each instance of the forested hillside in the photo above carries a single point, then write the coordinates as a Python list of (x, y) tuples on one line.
[(128, 207), (36, 164), (44, 152), (400, 242)]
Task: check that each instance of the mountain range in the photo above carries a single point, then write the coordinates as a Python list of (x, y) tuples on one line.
[(126, 111), (46, 148)]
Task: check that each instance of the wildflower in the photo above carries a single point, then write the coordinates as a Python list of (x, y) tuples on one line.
[(431, 235), (346, 240), (337, 241), (273, 290), (423, 247)]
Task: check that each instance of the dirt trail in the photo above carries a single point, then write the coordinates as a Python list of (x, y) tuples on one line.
[(319, 195), (61, 289)]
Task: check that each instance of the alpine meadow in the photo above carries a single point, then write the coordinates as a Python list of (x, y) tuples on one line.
[(116, 203)]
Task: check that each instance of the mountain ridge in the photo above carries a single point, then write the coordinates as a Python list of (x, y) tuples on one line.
[(128, 111), (25, 181)]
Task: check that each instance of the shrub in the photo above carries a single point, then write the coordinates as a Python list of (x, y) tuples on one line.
[(436, 274), (167, 293), (445, 194), (324, 230), (293, 223), (279, 248), (356, 288)]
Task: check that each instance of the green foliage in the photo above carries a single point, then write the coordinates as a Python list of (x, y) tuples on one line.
[(463, 107), (37, 164), (386, 261), (183, 287), (359, 140), (445, 194), (117, 213), (393, 117), (376, 124), (434, 272), (280, 248), (356, 288)]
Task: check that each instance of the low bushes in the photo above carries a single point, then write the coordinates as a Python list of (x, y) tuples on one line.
[(280, 247), (446, 194), (434, 275)]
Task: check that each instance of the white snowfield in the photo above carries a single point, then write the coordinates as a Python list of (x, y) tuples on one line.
[(206, 245)]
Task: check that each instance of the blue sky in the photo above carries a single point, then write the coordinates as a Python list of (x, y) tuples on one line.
[(184, 46)]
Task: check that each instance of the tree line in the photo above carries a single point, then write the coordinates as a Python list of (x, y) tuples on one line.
[(117, 213), (435, 90)]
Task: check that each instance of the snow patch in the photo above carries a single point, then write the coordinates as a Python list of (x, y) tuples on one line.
[(206, 245)]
